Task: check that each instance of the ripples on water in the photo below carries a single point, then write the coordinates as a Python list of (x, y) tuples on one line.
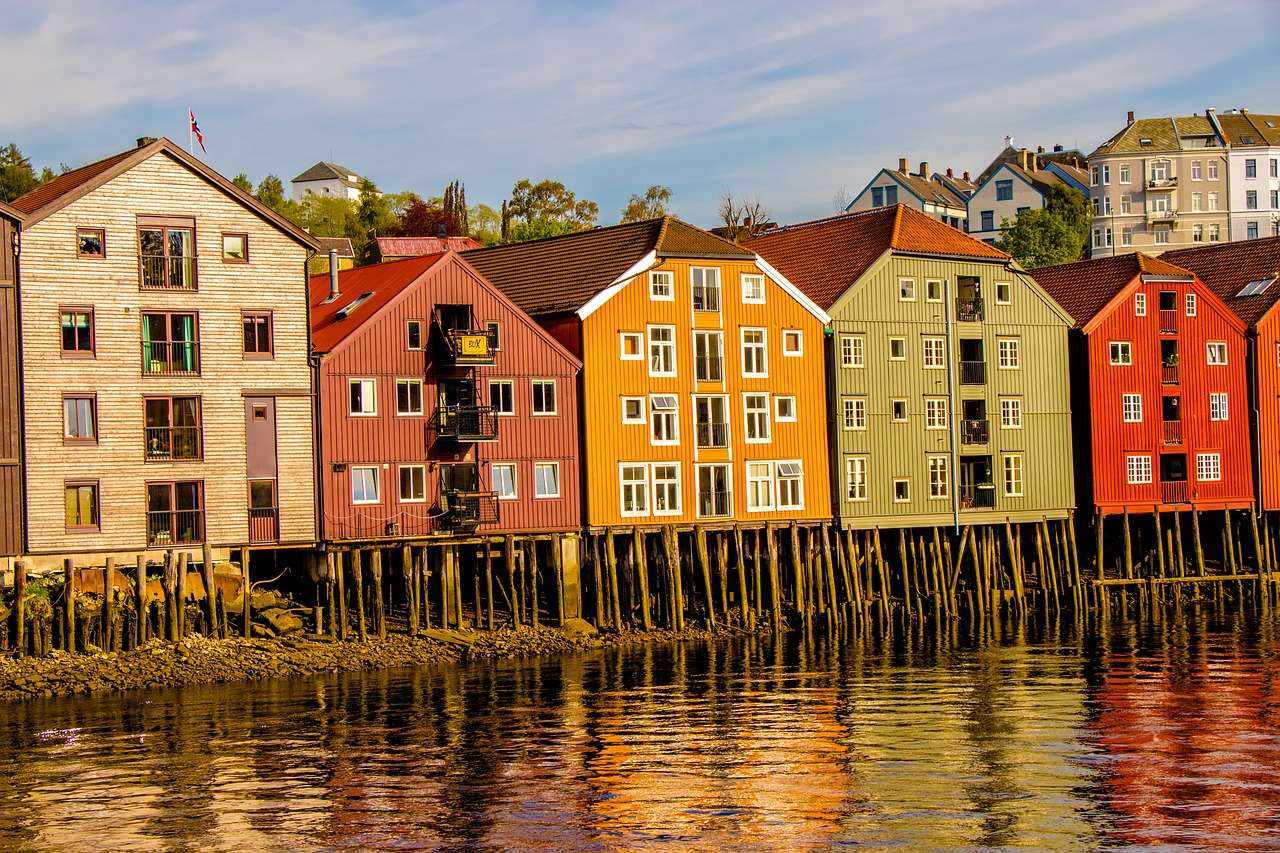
[(1160, 737)]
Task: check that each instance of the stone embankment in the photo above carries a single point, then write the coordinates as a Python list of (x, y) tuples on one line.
[(200, 660)]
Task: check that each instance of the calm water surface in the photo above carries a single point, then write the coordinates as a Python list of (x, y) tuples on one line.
[(1161, 737)]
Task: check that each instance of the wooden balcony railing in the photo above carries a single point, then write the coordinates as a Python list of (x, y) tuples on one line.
[(973, 373), (1168, 322), (980, 496), (264, 524), (467, 509), (1173, 491), (974, 432), (1173, 432), (970, 309), (1169, 374), (467, 423)]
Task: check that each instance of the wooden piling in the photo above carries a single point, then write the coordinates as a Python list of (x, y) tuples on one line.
[(1195, 530), (641, 566), (979, 591), (20, 608), (206, 575), (908, 592), (375, 582), (828, 566), (797, 568), (611, 568), (775, 578), (357, 584), (704, 567), (1258, 555), (107, 572), (744, 610), (757, 575), (488, 584), (184, 564), (557, 565), (509, 559), (1099, 553), (1231, 548), (882, 572), (1128, 547), (1015, 568), (170, 585), (1177, 539), (531, 572), (853, 574)]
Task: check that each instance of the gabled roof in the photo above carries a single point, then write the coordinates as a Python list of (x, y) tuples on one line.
[(1248, 129), (1020, 156), (67, 188), (11, 212), (323, 171), (1226, 268), (824, 257), (1085, 288), (341, 245), (931, 189), (557, 275), (961, 187), (413, 247), (1164, 134)]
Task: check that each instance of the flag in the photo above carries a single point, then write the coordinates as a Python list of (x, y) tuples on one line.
[(195, 128)]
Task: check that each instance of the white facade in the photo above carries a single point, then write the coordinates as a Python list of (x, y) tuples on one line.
[(1254, 191)]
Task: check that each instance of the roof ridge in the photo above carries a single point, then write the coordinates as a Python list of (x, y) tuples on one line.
[(897, 225), (848, 214)]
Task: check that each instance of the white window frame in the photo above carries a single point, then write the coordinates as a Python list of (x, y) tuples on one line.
[(638, 488), (663, 346), (761, 363), (509, 383), (939, 478), (1219, 410), (1131, 408), (929, 290), (1208, 467), (1139, 304), (936, 360), (493, 480), (1121, 353), (782, 476), (377, 484), (935, 413), (410, 412), (901, 344), (906, 289), (710, 284), (1215, 352), (410, 324), (855, 479), (662, 285), (534, 384), (1138, 469), (643, 418), (635, 337), (1010, 413), (368, 397), (780, 402), (671, 414), (748, 279), (1009, 353), (906, 497), (1013, 479), (754, 484), (852, 351), (756, 414), (1124, 173), (656, 483), (1191, 305), (400, 470), (789, 336), (854, 413), (906, 410), (537, 485), (1008, 292)]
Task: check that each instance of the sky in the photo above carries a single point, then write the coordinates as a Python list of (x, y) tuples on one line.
[(787, 102)]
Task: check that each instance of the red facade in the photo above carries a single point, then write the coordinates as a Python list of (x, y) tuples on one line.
[(444, 409), (12, 503)]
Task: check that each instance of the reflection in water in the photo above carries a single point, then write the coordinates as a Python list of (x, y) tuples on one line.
[(1164, 737)]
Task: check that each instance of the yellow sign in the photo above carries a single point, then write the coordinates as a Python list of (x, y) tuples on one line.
[(473, 345)]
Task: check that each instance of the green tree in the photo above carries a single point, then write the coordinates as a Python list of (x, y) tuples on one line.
[(424, 220), (242, 181), (1072, 207), (455, 207), (1054, 234), (485, 224), (271, 193), (398, 203), (545, 209), (375, 217), (649, 206), (17, 177)]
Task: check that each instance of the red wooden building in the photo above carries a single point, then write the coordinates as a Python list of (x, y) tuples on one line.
[(443, 409), (12, 501), (1159, 397)]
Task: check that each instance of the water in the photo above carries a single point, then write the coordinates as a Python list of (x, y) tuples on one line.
[(1157, 737)]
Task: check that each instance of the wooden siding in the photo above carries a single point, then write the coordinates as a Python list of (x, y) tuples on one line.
[(1113, 439), (607, 379), (12, 510), (273, 280), (380, 351), (901, 450), (1267, 373)]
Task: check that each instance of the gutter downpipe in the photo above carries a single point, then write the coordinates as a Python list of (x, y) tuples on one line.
[(1255, 427), (952, 362)]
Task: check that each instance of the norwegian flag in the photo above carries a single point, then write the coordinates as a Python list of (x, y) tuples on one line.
[(195, 128)]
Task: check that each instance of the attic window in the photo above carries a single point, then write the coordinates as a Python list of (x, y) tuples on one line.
[(1247, 140), (1144, 142), (1271, 124), (1254, 288), (346, 312)]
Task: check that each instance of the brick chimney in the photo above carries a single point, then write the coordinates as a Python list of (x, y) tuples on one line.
[(1130, 119), (949, 173), (966, 176)]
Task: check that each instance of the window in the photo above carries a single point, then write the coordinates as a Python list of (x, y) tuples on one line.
[(756, 415), (1251, 168), (1197, 233), (1191, 305), (1004, 190), (907, 289), (851, 351), (257, 334), (939, 481), (408, 396), (1132, 405), (546, 479), (784, 408), (79, 419), (1251, 230), (1106, 235), (713, 491), (1275, 167), (754, 360), (235, 248), (1106, 174), (364, 484), (988, 220), (503, 477), (169, 343), (666, 488), (631, 346), (1139, 304), (1195, 170), (935, 413), (1217, 407), (502, 396), (363, 396), (901, 491), (1139, 469), (91, 243), (1009, 355), (413, 334), (706, 288), (1213, 170), (662, 351), (1003, 291), (792, 342), (898, 410), (173, 428), (759, 486), (662, 416), (753, 288), (1126, 235), (1216, 352), (77, 332), (933, 290), (662, 285), (1124, 173), (1161, 236), (633, 410), (1094, 174), (1097, 235), (1126, 204), (544, 396), (413, 483), (891, 195), (897, 349), (1121, 352), (708, 358), (855, 469), (790, 485), (494, 330), (1275, 198), (635, 489), (82, 506), (855, 413), (1213, 201), (1010, 413), (175, 513), (1013, 475), (711, 420), (877, 197), (1197, 202), (1208, 467), (167, 258), (1251, 200), (933, 353), (1213, 233)]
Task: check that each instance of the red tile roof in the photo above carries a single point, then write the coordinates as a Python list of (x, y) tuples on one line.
[(415, 247), (384, 282), (68, 182), (1227, 267), (825, 257), (1084, 288)]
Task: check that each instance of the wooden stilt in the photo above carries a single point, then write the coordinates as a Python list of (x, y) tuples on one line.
[(557, 567), (744, 608), (1259, 557), (488, 584), (1077, 591), (1177, 538), (882, 570), (1015, 568), (357, 585), (375, 582), (1099, 552), (170, 585), (20, 608), (1231, 547), (531, 572), (642, 576), (611, 562), (775, 585), (979, 591), (183, 565), (704, 566), (757, 574), (509, 560), (597, 577), (853, 570), (1128, 547), (954, 580), (797, 569), (828, 566), (908, 593), (107, 584), (1195, 530), (140, 600)]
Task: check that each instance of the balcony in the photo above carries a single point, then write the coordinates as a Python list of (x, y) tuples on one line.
[(974, 432), (166, 272), (713, 504), (712, 435), (466, 423), (1158, 216), (466, 509), (173, 443), (973, 373), (173, 527), (1169, 374), (181, 357), (980, 496), (1168, 322), (709, 368), (1162, 184), (468, 347), (264, 524), (970, 309), (706, 297), (1173, 491), (1173, 432)]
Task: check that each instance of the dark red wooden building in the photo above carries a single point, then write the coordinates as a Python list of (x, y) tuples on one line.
[(443, 409), (1159, 395), (12, 511)]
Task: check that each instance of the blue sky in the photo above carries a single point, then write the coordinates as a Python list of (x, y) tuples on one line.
[(786, 102)]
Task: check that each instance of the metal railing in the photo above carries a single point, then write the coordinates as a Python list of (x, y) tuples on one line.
[(1168, 322), (981, 496), (1173, 491), (710, 368), (1173, 432), (1169, 374), (170, 356), (713, 434), (970, 309), (706, 297), (974, 431), (264, 524), (467, 509), (1162, 215), (973, 373), (165, 442), (467, 423), (171, 527), (713, 504), (164, 272)]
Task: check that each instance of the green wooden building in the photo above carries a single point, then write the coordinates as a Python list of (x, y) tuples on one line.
[(948, 391)]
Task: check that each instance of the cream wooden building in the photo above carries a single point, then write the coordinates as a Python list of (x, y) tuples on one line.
[(166, 387)]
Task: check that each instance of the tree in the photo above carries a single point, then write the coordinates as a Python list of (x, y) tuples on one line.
[(271, 193), (424, 220), (485, 224), (1054, 234), (398, 203), (242, 181), (375, 217), (455, 207), (1072, 207), (545, 209), (17, 177), (649, 206), (743, 217), (840, 199)]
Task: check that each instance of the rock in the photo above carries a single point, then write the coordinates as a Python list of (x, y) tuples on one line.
[(281, 621), (577, 628)]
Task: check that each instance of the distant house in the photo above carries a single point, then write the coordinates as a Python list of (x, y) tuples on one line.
[(341, 246), (327, 179), (399, 248), (927, 193), (1011, 188)]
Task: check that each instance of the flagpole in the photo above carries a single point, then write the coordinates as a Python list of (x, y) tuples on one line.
[(191, 137)]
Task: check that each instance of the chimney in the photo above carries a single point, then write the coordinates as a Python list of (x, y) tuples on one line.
[(1040, 149), (966, 176), (144, 141), (1130, 120), (902, 165), (1243, 111), (924, 169), (949, 173), (1008, 142), (333, 275), (1057, 149)]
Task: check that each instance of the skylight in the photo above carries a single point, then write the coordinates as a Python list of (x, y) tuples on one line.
[(1247, 140), (1144, 141), (346, 312), (1256, 287)]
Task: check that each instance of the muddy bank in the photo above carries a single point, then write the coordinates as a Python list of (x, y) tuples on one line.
[(200, 660)]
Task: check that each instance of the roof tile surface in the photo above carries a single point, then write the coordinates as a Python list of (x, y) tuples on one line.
[(1227, 267), (67, 182), (1084, 288), (412, 247), (384, 281)]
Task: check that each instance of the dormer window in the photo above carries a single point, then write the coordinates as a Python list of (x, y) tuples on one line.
[(346, 312)]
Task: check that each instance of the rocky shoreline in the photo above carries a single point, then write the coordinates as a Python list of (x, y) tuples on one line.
[(200, 660)]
